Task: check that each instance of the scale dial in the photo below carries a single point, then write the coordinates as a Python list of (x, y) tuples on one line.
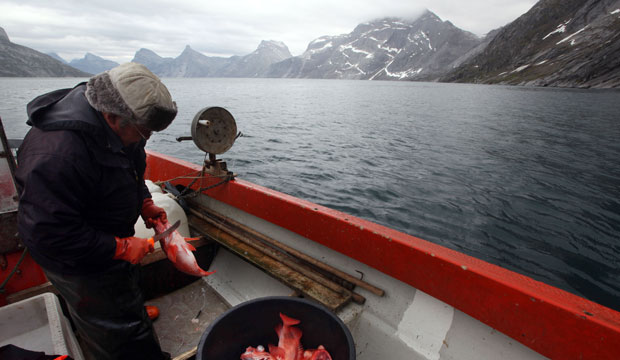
[(214, 130)]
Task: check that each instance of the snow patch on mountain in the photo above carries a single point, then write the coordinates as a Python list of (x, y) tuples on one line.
[(571, 36), (520, 68), (560, 29), (354, 49)]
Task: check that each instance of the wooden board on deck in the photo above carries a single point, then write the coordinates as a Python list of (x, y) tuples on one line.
[(271, 266)]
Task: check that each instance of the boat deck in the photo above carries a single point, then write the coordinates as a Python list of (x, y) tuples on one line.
[(184, 316)]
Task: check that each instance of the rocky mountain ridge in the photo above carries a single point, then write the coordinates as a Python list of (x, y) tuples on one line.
[(18, 60), (191, 63), (571, 43), (93, 64), (384, 49), (57, 57), (565, 43)]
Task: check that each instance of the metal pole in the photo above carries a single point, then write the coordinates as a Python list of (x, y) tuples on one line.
[(6, 152)]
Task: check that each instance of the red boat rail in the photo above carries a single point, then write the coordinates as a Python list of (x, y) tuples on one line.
[(553, 322)]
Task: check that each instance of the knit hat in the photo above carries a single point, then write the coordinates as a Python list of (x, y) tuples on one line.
[(133, 92)]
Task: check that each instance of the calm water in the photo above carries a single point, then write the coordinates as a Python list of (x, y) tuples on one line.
[(528, 179)]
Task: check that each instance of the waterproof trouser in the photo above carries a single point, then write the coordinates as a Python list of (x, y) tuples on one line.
[(108, 312)]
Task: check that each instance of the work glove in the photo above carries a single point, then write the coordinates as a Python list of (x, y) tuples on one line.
[(152, 213), (133, 249), (152, 311)]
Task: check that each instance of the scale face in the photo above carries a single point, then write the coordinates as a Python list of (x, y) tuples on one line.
[(214, 130)]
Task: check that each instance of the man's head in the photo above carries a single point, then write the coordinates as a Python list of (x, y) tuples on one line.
[(134, 97)]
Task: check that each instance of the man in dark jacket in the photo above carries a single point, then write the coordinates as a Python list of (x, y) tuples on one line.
[(81, 186)]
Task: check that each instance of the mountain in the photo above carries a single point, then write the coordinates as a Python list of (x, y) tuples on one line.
[(258, 62), (572, 43), (57, 57), (386, 49), (18, 60), (154, 62), (194, 64), (93, 64), (190, 63)]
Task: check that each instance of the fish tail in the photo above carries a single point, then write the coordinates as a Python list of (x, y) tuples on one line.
[(207, 273), (288, 321)]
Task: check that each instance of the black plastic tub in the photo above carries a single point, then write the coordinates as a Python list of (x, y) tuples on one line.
[(252, 323)]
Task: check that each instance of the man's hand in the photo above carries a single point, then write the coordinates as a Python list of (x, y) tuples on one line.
[(152, 213), (132, 249)]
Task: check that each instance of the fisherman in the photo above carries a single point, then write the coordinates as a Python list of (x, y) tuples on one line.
[(81, 184)]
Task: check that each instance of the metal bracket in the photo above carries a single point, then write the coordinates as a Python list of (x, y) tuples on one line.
[(215, 167)]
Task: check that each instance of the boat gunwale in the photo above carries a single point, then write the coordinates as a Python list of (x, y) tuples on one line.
[(551, 321)]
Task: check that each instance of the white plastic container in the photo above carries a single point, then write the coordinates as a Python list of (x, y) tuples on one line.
[(37, 324)]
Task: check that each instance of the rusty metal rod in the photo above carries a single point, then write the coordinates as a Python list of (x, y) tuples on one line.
[(326, 267), (281, 256)]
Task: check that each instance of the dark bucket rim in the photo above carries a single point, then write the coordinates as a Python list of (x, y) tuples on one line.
[(314, 304)]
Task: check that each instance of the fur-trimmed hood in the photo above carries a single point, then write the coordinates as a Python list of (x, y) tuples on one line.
[(134, 93)]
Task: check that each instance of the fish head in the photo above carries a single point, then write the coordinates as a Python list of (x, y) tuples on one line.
[(257, 353), (318, 354)]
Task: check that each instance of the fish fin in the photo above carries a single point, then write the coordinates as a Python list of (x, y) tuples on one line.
[(288, 321), (300, 350), (190, 247), (193, 239), (172, 253)]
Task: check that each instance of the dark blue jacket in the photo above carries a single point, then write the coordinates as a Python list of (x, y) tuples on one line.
[(78, 186)]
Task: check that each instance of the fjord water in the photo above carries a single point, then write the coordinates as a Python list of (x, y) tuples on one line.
[(525, 178)]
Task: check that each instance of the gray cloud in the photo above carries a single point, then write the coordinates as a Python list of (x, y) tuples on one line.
[(116, 29)]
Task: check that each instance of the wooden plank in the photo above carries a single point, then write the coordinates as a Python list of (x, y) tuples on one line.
[(328, 269), (282, 257), (298, 281)]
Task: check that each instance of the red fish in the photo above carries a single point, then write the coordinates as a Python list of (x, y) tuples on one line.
[(179, 251), (319, 354), (257, 353), (289, 346)]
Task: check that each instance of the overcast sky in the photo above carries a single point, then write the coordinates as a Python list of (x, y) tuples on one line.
[(115, 29)]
